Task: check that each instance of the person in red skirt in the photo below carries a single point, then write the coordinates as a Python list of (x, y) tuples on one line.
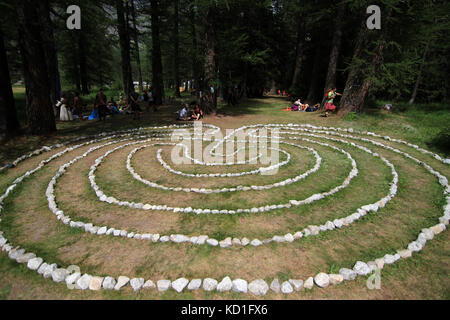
[(331, 95)]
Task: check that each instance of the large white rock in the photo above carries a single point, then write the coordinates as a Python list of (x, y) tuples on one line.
[(25, 257), (73, 278), (240, 285), (149, 284), (109, 283), (195, 284), (163, 285), (179, 284), (256, 242), (209, 284), (258, 287), (347, 274), (212, 242), (336, 278), (361, 268), (83, 282), (245, 241), (225, 285), (35, 263), (137, 283), (59, 275), (286, 287), (121, 282), (96, 283), (322, 280)]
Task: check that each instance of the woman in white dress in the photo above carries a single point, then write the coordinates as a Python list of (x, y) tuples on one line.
[(64, 114)]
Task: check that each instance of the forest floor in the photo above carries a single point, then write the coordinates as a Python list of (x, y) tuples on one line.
[(27, 221)]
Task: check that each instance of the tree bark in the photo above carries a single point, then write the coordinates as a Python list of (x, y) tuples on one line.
[(7, 103), (122, 26), (82, 60), (330, 81), (209, 88), (136, 43), (313, 87), (157, 75), (299, 51), (195, 69), (50, 52), (419, 76), (176, 50), (41, 119)]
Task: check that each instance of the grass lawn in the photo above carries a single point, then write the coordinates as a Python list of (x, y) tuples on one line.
[(27, 221)]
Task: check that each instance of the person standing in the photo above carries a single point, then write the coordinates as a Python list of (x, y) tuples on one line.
[(133, 100), (331, 95), (100, 102)]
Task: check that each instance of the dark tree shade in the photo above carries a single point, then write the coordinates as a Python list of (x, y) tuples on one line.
[(157, 75), (7, 104), (124, 39), (41, 119)]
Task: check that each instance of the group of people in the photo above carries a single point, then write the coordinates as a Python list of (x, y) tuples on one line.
[(186, 114), (330, 95), (102, 107)]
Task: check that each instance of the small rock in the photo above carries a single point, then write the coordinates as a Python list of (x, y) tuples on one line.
[(35, 263), (286, 287), (96, 283), (212, 242), (209, 284), (179, 284), (258, 287), (83, 282), (240, 285), (73, 278), (59, 275), (225, 285), (163, 285), (137, 283), (275, 286), (347, 274), (361, 268), (25, 257), (109, 283), (405, 253), (245, 241), (380, 263), (296, 284), (149, 284), (309, 283), (195, 284), (336, 278), (256, 242), (322, 280), (121, 282)]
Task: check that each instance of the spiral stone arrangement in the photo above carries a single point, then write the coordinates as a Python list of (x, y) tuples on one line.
[(156, 141)]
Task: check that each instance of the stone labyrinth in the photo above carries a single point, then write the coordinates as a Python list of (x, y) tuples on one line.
[(160, 191)]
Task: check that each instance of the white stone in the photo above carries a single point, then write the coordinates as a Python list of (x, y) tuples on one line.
[(286, 287), (209, 284), (179, 284), (121, 282), (256, 242), (163, 285), (35, 263), (59, 275), (275, 286), (137, 283), (361, 268), (83, 282), (149, 284), (297, 284), (347, 274), (225, 285), (245, 241), (195, 284), (109, 283), (102, 231), (73, 278), (336, 278), (240, 285), (322, 280), (96, 283), (212, 242), (258, 287), (309, 283)]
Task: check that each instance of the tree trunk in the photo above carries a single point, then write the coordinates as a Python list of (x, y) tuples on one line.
[(330, 81), (419, 76), (312, 92), (122, 26), (7, 104), (209, 89), (299, 52), (82, 60), (176, 51), (41, 119), (157, 75), (49, 45), (195, 71), (136, 43)]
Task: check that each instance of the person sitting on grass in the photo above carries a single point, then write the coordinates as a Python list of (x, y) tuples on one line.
[(112, 107), (197, 114), (183, 114)]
